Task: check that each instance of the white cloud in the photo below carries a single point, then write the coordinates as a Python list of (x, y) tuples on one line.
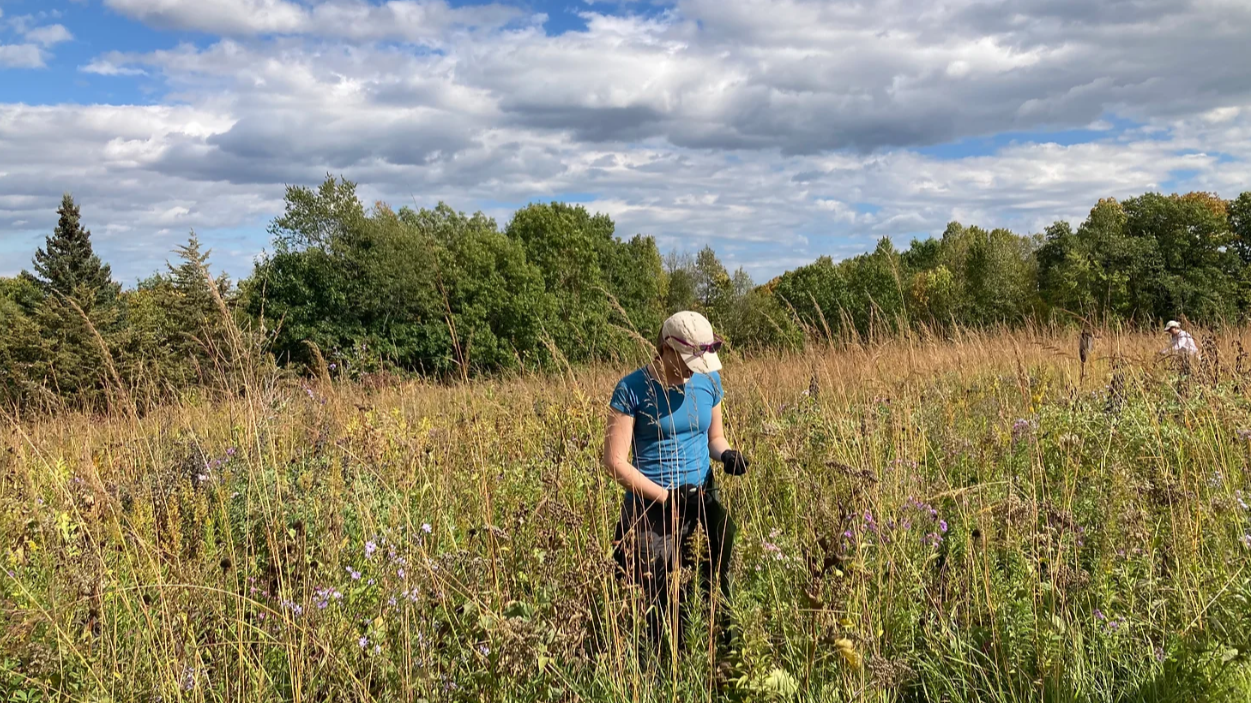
[(103, 67), (49, 35), (777, 131), (21, 56), (412, 20)]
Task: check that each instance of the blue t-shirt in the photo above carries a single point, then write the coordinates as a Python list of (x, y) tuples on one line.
[(670, 426)]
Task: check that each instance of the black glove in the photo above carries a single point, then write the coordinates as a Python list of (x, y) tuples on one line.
[(680, 495), (735, 463)]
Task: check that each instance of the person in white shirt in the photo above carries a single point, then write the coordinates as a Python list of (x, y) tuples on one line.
[(1182, 343)]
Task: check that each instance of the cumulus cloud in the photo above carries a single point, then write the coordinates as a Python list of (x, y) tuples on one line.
[(49, 35), (411, 20), (776, 131), (20, 56)]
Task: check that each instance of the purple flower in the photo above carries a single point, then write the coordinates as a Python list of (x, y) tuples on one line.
[(1099, 615), (333, 366), (230, 451), (425, 527), (356, 575), (363, 642), (400, 572), (942, 526), (370, 548)]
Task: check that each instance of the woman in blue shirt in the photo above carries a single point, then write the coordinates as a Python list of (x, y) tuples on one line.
[(663, 431)]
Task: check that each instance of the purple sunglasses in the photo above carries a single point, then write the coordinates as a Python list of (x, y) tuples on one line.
[(710, 348)]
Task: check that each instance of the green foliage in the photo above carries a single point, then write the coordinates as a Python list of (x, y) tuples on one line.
[(451, 295), (67, 264)]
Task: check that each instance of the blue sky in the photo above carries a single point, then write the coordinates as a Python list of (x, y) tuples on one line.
[(774, 131)]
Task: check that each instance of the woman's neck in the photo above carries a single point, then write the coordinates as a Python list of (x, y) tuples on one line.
[(660, 371)]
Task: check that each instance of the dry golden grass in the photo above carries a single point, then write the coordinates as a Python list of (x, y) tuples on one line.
[(926, 519)]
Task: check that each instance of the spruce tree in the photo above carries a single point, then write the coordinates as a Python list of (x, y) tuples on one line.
[(189, 279), (67, 262)]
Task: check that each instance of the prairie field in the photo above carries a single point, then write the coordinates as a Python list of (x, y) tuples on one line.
[(963, 519)]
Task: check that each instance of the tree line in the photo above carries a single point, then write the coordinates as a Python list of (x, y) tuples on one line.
[(349, 290)]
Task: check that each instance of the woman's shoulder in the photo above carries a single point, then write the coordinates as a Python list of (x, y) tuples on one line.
[(636, 380), (710, 381), (636, 376)]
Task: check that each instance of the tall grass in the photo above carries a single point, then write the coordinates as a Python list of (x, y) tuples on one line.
[(925, 520)]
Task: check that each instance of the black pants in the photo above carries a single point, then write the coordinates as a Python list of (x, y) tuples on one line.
[(653, 540)]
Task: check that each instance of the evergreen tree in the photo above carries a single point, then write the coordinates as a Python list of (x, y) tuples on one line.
[(68, 262)]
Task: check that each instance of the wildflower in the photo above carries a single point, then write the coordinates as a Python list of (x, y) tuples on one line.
[(1021, 429), (363, 642), (775, 550), (201, 478), (370, 582), (1246, 540), (310, 393), (1243, 434), (425, 527), (370, 548), (391, 601), (230, 451), (333, 366), (377, 649), (356, 575), (400, 572), (942, 526), (1159, 654), (1099, 615), (188, 678), (484, 650)]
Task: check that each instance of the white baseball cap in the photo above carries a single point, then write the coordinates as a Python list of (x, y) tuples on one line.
[(690, 335), (1171, 324)]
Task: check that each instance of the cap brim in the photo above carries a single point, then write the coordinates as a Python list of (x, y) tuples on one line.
[(703, 363)]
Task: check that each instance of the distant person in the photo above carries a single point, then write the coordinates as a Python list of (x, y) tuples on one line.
[(667, 417), (1181, 344)]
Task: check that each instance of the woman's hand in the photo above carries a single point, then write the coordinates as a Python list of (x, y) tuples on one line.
[(735, 463)]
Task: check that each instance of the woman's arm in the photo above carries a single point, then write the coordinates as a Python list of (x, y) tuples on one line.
[(716, 435), (617, 459)]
